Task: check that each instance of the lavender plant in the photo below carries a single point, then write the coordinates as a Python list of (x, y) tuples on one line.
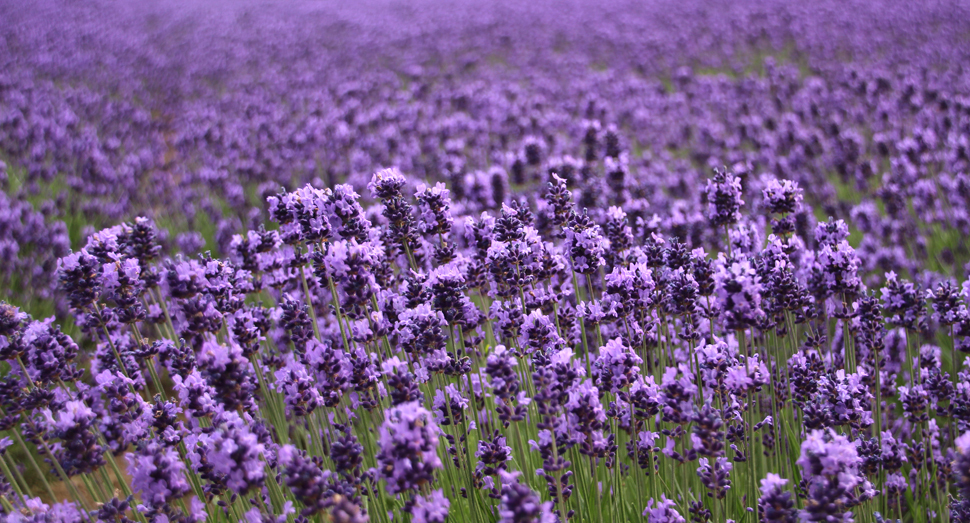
[(310, 264)]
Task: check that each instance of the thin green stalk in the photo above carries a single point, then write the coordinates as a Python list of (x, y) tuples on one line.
[(122, 482), (30, 457), (336, 307), (107, 336), (309, 304), (14, 480), (33, 463), (168, 318), (563, 509), (953, 358), (65, 478), (749, 416), (151, 365), (596, 489), (582, 325), (97, 493), (7, 507)]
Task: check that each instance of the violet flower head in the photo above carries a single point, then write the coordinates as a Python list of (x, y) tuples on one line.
[(504, 380), (402, 383), (434, 209), (948, 305), (663, 511), (78, 450), (350, 265), (738, 292), (630, 288), (616, 367), (346, 215), (400, 231), (645, 397), (11, 318), (231, 452), (895, 487), (680, 300), (115, 510), (677, 393), (584, 243), (142, 241), (723, 198), (835, 271), (196, 397), (255, 515), (296, 322), (421, 330), (128, 419), (408, 443), (702, 269), (331, 369), (448, 285), (776, 504), (560, 200), (185, 278), (79, 275), (315, 488), (302, 214), (449, 406), (831, 232), (506, 316), (432, 508), (298, 388), (387, 183), (227, 371), (830, 469), (36, 511), (539, 334), (782, 196), (585, 418), (715, 475), (157, 473), (50, 352), (960, 508), (493, 453), (346, 453), (520, 504), (617, 230), (904, 303), (707, 434)]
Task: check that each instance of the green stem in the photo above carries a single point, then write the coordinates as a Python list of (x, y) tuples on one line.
[(309, 303), (65, 478), (14, 480)]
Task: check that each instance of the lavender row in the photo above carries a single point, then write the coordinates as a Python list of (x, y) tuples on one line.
[(192, 114), (533, 365)]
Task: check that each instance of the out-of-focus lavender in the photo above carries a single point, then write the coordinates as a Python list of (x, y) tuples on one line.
[(450, 262), (191, 113)]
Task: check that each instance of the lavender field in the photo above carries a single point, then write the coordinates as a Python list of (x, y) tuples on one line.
[(540, 262)]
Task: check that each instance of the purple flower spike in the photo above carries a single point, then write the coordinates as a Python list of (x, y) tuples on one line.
[(723, 198), (738, 292), (776, 504), (830, 469), (408, 453), (157, 473), (782, 196), (616, 367), (519, 504), (432, 508), (663, 511)]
